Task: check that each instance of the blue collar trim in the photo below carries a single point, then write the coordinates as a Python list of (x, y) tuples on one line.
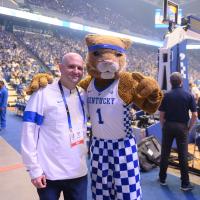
[(106, 46), (102, 89)]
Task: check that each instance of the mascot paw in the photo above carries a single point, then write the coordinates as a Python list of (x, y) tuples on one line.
[(29, 91), (147, 87), (38, 81)]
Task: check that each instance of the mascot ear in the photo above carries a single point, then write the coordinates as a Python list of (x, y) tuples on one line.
[(90, 39), (127, 43)]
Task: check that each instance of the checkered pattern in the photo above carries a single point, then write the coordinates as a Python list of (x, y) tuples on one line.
[(183, 71), (127, 120), (183, 67), (115, 169)]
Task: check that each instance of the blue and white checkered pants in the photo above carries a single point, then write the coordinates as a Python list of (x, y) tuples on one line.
[(115, 169)]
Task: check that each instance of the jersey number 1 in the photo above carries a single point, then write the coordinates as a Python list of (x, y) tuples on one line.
[(99, 115)]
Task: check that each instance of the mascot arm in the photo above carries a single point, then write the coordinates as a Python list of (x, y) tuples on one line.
[(38, 81), (127, 87), (141, 90), (85, 82)]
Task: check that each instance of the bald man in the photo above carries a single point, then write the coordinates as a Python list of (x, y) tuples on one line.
[(53, 135)]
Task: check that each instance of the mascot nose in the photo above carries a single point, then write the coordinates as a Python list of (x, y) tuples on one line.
[(109, 62), (107, 66), (114, 66)]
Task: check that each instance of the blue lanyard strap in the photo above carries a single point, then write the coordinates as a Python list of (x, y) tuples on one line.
[(66, 106), (82, 105)]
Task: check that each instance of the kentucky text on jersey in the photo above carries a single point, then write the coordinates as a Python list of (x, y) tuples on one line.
[(100, 100)]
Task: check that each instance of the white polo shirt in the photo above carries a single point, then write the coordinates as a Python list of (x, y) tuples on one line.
[(45, 142)]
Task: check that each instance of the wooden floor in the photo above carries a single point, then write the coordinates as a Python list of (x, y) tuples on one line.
[(195, 163), (194, 157), (15, 181)]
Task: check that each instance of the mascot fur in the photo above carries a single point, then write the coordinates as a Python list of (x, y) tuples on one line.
[(110, 94)]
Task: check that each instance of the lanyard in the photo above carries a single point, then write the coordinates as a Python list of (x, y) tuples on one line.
[(66, 106)]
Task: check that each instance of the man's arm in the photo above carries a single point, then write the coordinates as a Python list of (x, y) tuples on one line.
[(193, 109), (192, 120), (32, 119), (162, 118)]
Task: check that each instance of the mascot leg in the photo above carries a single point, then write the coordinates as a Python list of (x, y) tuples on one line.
[(115, 169)]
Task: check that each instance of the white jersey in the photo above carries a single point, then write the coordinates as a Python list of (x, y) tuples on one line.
[(110, 116), (45, 143)]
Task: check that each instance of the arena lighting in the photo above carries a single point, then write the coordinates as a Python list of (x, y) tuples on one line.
[(193, 46), (30, 16), (72, 25)]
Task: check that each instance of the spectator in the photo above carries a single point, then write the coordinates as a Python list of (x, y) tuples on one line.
[(194, 90), (198, 108), (53, 147), (174, 118), (3, 104)]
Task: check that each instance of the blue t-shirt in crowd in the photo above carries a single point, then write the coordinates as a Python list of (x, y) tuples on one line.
[(176, 105), (3, 97)]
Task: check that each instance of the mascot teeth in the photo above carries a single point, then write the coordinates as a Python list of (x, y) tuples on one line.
[(108, 67), (107, 75)]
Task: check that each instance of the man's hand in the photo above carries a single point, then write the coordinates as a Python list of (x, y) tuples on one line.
[(162, 118), (39, 182)]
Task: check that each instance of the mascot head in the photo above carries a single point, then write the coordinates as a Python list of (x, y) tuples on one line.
[(106, 55)]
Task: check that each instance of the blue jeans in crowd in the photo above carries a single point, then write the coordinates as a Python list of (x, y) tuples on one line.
[(73, 189), (3, 118)]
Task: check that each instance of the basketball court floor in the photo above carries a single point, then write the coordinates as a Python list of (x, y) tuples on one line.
[(15, 183)]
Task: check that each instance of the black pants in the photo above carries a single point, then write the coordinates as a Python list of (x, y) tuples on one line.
[(73, 189), (178, 131)]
